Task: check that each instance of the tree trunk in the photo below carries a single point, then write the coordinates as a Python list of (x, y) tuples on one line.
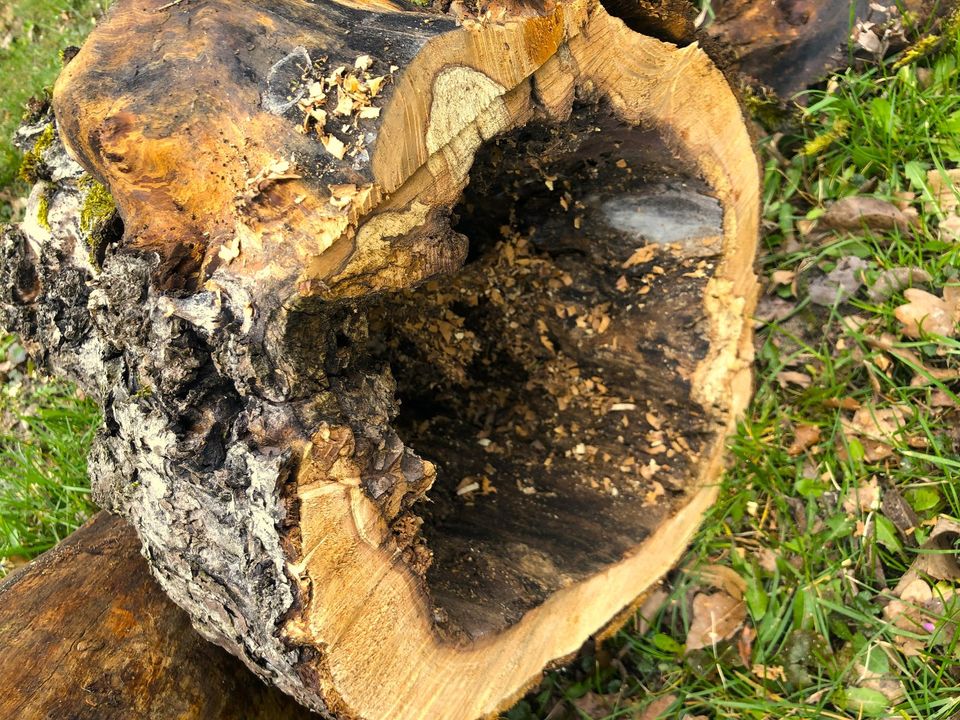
[(86, 634), (417, 341)]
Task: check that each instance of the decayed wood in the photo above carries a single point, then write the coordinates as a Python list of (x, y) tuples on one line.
[(86, 634), (789, 45), (410, 381)]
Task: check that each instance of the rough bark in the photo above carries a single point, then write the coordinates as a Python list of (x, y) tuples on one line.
[(346, 269), (86, 634)]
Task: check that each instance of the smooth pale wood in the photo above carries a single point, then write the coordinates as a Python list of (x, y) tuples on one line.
[(87, 634), (250, 468)]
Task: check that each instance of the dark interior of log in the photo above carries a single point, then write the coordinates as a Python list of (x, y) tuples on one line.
[(547, 379)]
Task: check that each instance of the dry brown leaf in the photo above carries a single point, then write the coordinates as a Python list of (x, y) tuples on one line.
[(723, 578), (858, 212), (769, 672), (716, 617), (804, 438), (791, 377), (783, 277), (865, 497), (658, 708), (950, 228), (942, 184), (926, 314), (875, 428), (596, 706), (936, 558), (767, 559), (888, 685)]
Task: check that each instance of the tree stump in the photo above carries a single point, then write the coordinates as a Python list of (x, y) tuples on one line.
[(418, 339)]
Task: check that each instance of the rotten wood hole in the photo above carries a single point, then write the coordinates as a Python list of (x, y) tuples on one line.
[(419, 343)]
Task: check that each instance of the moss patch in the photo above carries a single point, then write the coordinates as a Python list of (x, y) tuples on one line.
[(33, 160), (43, 210), (97, 211)]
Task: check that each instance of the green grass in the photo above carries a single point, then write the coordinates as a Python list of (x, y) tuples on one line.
[(816, 572), (32, 35), (45, 427), (818, 575), (46, 431)]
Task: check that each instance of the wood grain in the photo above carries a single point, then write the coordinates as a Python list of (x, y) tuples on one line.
[(87, 634)]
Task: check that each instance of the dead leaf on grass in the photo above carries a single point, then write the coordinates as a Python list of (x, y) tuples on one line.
[(769, 672), (858, 212), (937, 558), (649, 609), (865, 497), (893, 280), (716, 617), (723, 578), (804, 438), (840, 284), (791, 377), (875, 428), (658, 708), (926, 314)]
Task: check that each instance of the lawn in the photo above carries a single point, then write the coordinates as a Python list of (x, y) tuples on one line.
[(823, 583)]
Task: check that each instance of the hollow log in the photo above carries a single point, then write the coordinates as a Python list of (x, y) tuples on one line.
[(418, 339), (86, 634)]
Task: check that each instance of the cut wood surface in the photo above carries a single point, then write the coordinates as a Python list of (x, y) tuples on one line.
[(86, 634), (417, 341)]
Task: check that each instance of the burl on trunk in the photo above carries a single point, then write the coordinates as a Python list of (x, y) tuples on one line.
[(417, 340)]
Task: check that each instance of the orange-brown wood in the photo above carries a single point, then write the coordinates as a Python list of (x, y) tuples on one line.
[(87, 634)]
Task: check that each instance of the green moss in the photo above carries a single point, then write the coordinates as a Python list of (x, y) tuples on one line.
[(97, 210), (43, 210), (766, 108), (920, 49), (33, 159)]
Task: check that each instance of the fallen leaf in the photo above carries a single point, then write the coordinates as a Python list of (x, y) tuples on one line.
[(783, 277), (898, 511), (658, 708), (942, 184), (875, 429), (769, 672), (840, 284), (949, 228), (723, 578), (596, 706), (936, 558), (649, 609), (858, 212), (791, 377), (865, 497), (926, 314), (804, 438), (892, 281), (716, 617)]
